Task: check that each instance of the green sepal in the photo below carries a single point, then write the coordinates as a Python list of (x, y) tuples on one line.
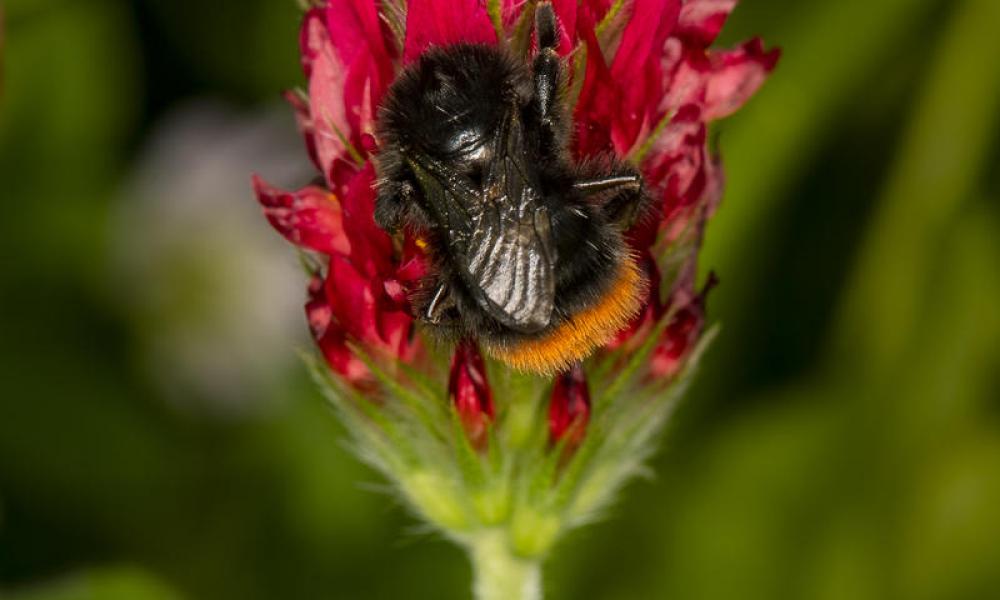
[(375, 439), (418, 404), (470, 465)]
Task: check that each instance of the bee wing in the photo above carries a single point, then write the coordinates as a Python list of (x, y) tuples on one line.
[(508, 263), (499, 237)]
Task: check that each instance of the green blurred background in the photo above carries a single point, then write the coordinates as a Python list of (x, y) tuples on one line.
[(158, 438)]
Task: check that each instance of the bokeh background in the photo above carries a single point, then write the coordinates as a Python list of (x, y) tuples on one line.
[(159, 438)]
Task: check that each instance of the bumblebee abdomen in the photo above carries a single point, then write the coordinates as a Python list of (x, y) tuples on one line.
[(580, 333)]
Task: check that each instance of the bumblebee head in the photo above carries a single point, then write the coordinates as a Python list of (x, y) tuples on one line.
[(453, 100)]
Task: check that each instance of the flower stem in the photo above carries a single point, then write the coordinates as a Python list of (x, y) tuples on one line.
[(498, 573)]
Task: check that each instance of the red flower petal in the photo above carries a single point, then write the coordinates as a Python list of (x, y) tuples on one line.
[(736, 75), (327, 76), (470, 392), (407, 276), (373, 252), (318, 311), (353, 301), (701, 20), (569, 408), (685, 82), (598, 100), (342, 360), (681, 335), (345, 306), (310, 218), (355, 29), (310, 47), (362, 41), (566, 13), (364, 309), (596, 8), (636, 68), (304, 120), (330, 337), (413, 265), (678, 339), (348, 58), (395, 327), (441, 22), (675, 164), (394, 290)]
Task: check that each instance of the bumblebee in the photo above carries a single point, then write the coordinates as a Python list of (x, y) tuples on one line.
[(527, 247)]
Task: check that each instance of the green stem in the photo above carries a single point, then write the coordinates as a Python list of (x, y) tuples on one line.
[(498, 573)]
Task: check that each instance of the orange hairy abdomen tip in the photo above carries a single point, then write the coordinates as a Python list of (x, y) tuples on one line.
[(582, 333)]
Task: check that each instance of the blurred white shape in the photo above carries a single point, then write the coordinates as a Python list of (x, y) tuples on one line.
[(215, 293)]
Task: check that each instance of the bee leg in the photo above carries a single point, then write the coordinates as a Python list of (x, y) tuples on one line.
[(547, 72), (440, 302), (624, 199), (615, 183)]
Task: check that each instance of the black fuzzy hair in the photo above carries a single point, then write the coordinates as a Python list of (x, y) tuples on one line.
[(468, 88)]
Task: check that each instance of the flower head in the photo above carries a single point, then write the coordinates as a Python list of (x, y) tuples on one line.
[(645, 85), (642, 85)]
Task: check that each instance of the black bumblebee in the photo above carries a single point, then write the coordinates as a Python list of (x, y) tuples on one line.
[(527, 247)]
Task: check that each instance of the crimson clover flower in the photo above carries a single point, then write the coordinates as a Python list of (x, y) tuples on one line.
[(466, 441)]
